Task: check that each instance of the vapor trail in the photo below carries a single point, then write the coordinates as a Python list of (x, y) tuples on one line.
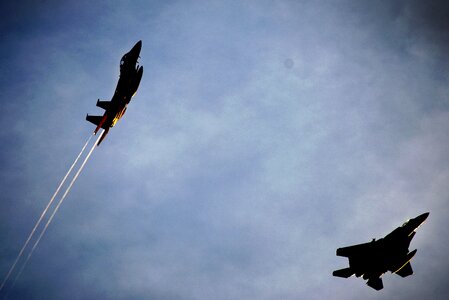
[(57, 206), (44, 212)]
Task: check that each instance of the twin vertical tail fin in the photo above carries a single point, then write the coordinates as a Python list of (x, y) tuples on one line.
[(100, 122), (376, 283), (345, 273), (94, 119)]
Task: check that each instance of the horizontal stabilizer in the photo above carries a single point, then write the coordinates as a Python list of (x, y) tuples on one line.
[(376, 283), (341, 252), (95, 120), (345, 273), (103, 104)]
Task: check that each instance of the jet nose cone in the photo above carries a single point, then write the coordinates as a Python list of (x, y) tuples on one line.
[(421, 218), (137, 46), (424, 216)]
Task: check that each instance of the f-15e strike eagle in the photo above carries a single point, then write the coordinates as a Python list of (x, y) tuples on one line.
[(371, 260), (130, 76)]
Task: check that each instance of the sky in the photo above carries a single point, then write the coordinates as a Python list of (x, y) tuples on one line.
[(264, 136)]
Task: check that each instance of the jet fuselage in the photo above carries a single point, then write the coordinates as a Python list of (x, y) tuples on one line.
[(128, 83), (371, 260)]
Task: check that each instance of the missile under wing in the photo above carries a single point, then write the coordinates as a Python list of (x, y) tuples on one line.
[(129, 80), (371, 260)]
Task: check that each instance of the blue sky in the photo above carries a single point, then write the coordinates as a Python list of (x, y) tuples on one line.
[(264, 135)]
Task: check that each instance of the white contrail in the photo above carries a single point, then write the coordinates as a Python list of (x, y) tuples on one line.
[(44, 212), (57, 207)]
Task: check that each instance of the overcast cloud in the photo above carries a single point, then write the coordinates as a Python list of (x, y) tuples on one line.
[(264, 135)]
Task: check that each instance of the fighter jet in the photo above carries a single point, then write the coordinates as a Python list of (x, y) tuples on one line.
[(371, 260), (129, 80)]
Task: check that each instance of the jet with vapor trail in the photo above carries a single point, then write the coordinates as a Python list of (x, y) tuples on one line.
[(371, 260), (129, 80)]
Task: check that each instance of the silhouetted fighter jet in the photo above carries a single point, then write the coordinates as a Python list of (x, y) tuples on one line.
[(371, 260), (129, 80)]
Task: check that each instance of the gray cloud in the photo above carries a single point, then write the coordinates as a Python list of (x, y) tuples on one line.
[(231, 176)]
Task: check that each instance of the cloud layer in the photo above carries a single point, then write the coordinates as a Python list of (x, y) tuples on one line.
[(263, 137)]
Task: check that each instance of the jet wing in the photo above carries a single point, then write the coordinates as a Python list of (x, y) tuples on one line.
[(104, 104), (355, 250), (406, 270)]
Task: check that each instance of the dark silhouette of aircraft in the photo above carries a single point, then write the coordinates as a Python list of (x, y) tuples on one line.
[(129, 80), (371, 260)]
